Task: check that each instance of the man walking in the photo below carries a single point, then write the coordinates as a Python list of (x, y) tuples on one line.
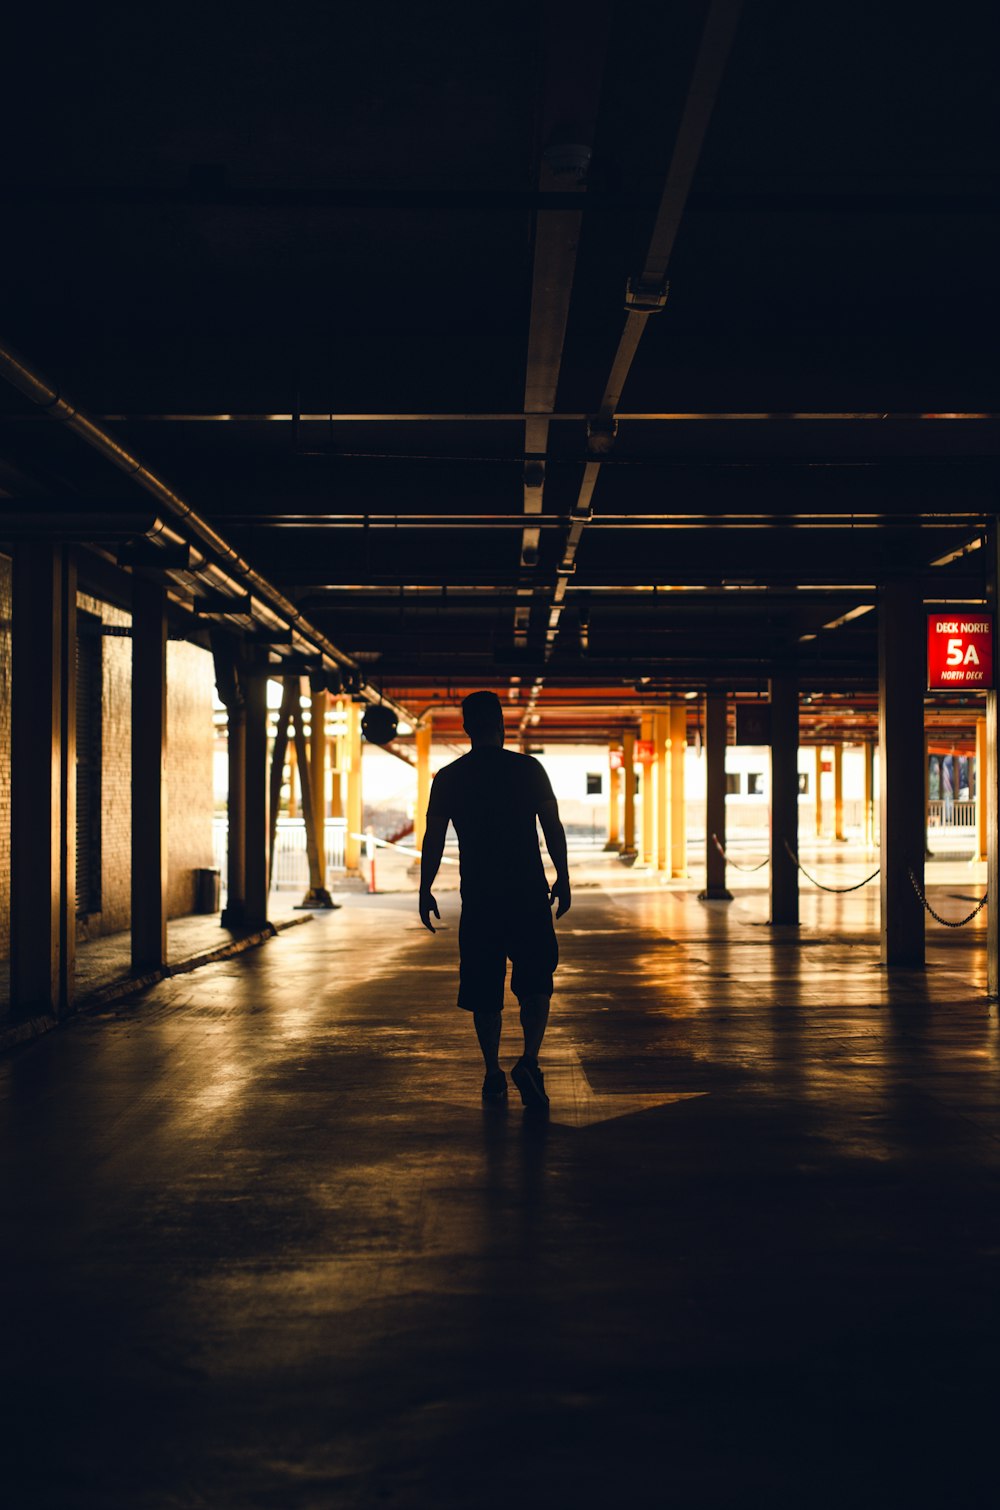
[(493, 797)]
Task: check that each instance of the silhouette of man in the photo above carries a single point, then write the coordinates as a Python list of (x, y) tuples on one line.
[(493, 797)]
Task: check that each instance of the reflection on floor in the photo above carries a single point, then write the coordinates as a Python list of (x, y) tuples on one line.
[(263, 1248)]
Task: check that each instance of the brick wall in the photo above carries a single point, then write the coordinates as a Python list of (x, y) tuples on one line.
[(190, 745)]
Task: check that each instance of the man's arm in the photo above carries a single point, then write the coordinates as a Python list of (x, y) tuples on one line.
[(555, 843), (430, 863)]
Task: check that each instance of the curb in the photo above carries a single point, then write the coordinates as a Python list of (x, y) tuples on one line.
[(34, 1027)]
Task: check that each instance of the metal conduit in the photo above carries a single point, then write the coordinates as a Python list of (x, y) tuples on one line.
[(278, 610)]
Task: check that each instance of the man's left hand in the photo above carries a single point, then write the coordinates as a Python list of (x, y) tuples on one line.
[(560, 893)]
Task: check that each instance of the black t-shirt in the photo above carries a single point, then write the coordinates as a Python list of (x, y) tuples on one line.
[(492, 797)]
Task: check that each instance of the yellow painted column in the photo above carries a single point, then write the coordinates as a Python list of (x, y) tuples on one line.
[(628, 778), (838, 792), (352, 844), (614, 798), (339, 743), (869, 813), (981, 777), (293, 794), (317, 755), (648, 798), (661, 744), (422, 738), (819, 791), (678, 805)]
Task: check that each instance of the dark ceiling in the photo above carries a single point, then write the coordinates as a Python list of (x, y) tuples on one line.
[(319, 270)]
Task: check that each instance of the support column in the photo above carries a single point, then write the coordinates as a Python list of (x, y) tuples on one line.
[(819, 791), (422, 735), (149, 759), (838, 793), (43, 779), (990, 784), (255, 816), (784, 798), (678, 805), (715, 799), (293, 777), (234, 912), (982, 778), (869, 813), (628, 852), (337, 766), (352, 844), (317, 895), (320, 702), (614, 798), (901, 676), (661, 744), (648, 798)]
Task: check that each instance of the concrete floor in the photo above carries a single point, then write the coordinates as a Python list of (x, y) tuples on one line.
[(263, 1248)]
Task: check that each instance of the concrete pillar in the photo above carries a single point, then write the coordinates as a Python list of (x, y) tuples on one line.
[(819, 791), (661, 745), (149, 761), (901, 677), (355, 809), (715, 798), (422, 735), (838, 793), (982, 766), (646, 856), (234, 911), (614, 797), (255, 816), (337, 766), (43, 779), (628, 852), (869, 811), (784, 798), (678, 806)]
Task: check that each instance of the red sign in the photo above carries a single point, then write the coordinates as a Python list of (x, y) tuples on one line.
[(645, 751), (960, 651)]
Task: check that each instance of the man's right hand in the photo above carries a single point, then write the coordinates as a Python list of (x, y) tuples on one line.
[(428, 905)]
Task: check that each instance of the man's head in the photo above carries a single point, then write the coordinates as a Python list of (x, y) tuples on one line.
[(482, 715)]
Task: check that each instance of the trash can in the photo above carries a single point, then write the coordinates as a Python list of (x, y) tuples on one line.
[(207, 886)]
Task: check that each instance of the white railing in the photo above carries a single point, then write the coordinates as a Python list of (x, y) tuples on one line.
[(949, 814), (291, 863)]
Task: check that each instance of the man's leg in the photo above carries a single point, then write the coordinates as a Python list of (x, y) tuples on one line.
[(488, 1025), (534, 1020)]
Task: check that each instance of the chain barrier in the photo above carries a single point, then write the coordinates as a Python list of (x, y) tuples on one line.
[(747, 869), (839, 890), (948, 922)]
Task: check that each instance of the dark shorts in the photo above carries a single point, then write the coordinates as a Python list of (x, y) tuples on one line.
[(489, 936)]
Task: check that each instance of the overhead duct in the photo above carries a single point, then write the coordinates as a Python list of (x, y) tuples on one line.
[(273, 608)]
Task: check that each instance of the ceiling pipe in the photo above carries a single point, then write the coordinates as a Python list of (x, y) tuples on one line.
[(281, 610)]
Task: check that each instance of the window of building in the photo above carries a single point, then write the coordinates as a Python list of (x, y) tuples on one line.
[(755, 783), (732, 783), (88, 764), (803, 783), (595, 783)]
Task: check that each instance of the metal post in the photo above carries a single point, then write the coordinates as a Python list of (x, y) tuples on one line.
[(355, 805), (317, 759), (784, 798), (628, 779), (317, 896), (661, 745), (43, 761), (678, 808), (901, 677), (149, 758), (614, 798), (715, 798), (337, 765), (422, 735), (838, 792), (819, 791), (256, 800)]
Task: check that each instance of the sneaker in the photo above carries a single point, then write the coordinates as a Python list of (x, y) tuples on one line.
[(495, 1089), (531, 1083)]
